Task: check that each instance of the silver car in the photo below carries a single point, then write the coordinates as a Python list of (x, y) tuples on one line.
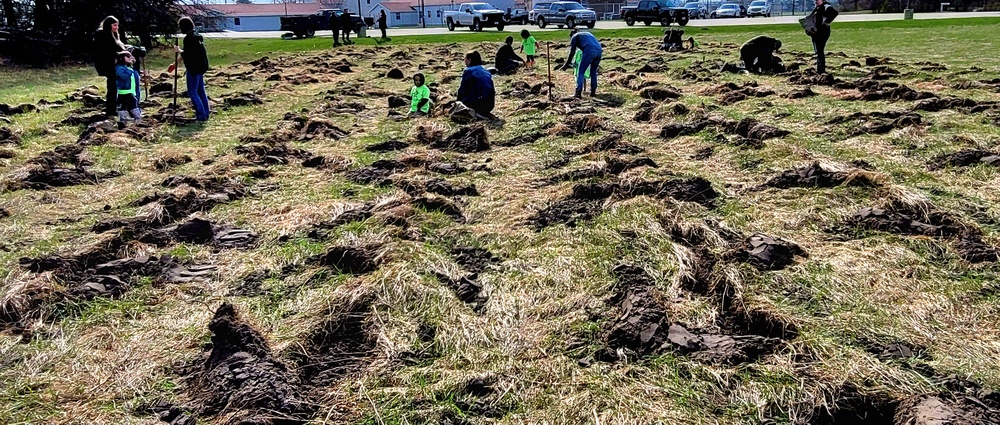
[(727, 10), (759, 8)]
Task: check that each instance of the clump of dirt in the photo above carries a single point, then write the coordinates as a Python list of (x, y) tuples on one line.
[(659, 94), (614, 166), (964, 158), (397, 102), (468, 290), (849, 406), (964, 403), (971, 248), (871, 90), (9, 137), (474, 259), (241, 381), (642, 325), (752, 131), (767, 252), (336, 164), (201, 231), (655, 65), (800, 93), (318, 128), (467, 139), (730, 93), (522, 140), (610, 143), (387, 146), (378, 173), (447, 168), (703, 153), (812, 79), (442, 205), (49, 170), (111, 279), (934, 104), (262, 154), (633, 82), (342, 345), (443, 187), (351, 260), (428, 134), (583, 204), (23, 108), (695, 189), (905, 222), (395, 74), (577, 125), (171, 161), (815, 175), (877, 122), (241, 99)]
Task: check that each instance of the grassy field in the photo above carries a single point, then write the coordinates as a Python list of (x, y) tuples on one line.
[(433, 284)]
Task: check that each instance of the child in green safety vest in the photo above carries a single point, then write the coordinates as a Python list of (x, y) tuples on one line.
[(528, 47), (420, 96), (576, 67), (127, 80)]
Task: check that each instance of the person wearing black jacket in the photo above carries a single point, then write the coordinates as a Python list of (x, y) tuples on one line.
[(345, 25), (758, 54), (382, 23), (335, 28), (107, 45), (506, 60), (196, 61), (823, 15)]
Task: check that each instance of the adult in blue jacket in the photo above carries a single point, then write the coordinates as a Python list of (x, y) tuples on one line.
[(476, 90), (591, 59)]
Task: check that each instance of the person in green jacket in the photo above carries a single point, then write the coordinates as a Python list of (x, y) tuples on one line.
[(528, 47), (420, 96), (576, 67)]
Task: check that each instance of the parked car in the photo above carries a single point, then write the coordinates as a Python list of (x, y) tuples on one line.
[(728, 10), (536, 10), (649, 11), (476, 16), (696, 10), (517, 17), (306, 26), (567, 13), (759, 8)]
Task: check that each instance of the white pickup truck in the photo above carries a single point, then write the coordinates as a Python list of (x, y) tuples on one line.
[(475, 16)]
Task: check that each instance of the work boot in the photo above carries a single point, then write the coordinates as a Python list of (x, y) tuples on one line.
[(122, 116), (137, 115)]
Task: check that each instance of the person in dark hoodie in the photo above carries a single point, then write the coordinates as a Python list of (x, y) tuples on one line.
[(382, 23), (589, 62), (476, 90), (345, 25), (196, 61), (107, 45), (823, 15), (335, 29), (758, 54), (506, 60)]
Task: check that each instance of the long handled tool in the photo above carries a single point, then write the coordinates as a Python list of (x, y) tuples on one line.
[(145, 81), (176, 61), (548, 64)]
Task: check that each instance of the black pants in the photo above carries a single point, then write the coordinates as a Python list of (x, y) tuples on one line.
[(336, 37), (482, 106), (757, 61), (347, 36), (382, 28), (819, 46), (111, 106)]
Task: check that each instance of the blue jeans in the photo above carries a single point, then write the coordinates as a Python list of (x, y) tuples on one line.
[(591, 61), (196, 89)]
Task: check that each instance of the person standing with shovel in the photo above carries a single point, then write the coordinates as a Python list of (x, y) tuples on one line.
[(588, 63), (196, 61)]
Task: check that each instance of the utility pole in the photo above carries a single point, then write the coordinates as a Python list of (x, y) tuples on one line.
[(423, 14)]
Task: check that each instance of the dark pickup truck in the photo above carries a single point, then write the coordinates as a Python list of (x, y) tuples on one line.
[(649, 11), (306, 26)]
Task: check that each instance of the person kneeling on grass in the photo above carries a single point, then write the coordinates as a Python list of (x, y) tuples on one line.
[(506, 60), (589, 62), (420, 96), (758, 57), (476, 91)]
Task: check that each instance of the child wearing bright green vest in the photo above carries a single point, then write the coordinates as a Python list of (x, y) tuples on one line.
[(576, 67), (127, 80), (528, 47), (420, 96)]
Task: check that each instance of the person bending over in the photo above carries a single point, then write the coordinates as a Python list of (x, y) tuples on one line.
[(589, 62), (506, 60), (476, 89)]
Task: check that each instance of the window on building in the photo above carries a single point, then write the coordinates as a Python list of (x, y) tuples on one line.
[(397, 16), (368, 1), (428, 14), (439, 13), (236, 21)]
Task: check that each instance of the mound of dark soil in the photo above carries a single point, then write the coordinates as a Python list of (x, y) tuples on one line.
[(816, 176), (877, 122), (849, 406), (342, 345), (378, 173), (642, 325), (387, 146), (934, 104), (971, 248), (800, 93), (812, 79), (474, 259), (316, 128), (395, 74), (443, 187), (262, 154), (241, 99), (241, 381), (47, 178), (398, 102), (168, 162), (351, 260), (610, 143), (447, 168), (23, 108), (442, 205), (466, 140), (659, 94), (730, 93), (964, 158), (963, 403), (428, 134), (522, 140), (906, 223), (200, 231), (584, 204), (578, 125), (767, 252), (468, 289), (695, 189), (9, 137)]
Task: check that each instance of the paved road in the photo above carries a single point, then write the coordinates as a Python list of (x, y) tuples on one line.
[(697, 23)]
